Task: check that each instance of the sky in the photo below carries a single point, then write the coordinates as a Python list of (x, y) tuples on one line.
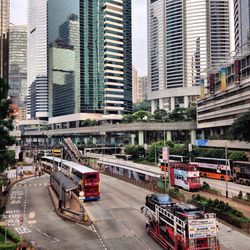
[(18, 15)]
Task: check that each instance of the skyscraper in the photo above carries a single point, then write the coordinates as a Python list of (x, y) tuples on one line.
[(18, 67), (185, 40), (95, 36), (4, 38), (38, 96), (242, 24)]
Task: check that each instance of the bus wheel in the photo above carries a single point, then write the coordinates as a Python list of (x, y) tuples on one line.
[(241, 182), (205, 175), (247, 183), (222, 178)]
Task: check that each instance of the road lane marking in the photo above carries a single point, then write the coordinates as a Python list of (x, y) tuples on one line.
[(55, 240), (90, 228), (46, 235), (92, 218)]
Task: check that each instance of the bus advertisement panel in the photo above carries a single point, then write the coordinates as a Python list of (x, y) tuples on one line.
[(214, 168)]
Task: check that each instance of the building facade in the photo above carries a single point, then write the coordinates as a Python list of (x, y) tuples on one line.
[(217, 111), (95, 36), (4, 38), (185, 40), (18, 67), (242, 25), (38, 91), (139, 87)]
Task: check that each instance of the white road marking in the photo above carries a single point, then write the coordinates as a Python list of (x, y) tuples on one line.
[(90, 228), (46, 234), (55, 240), (22, 230)]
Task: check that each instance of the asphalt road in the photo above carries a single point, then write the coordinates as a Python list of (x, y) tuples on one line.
[(30, 199), (233, 188), (118, 223), (118, 219)]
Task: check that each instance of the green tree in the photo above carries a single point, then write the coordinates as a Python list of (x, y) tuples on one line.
[(142, 115), (144, 105), (177, 115), (135, 151), (6, 125), (240, 129), (160, 114)]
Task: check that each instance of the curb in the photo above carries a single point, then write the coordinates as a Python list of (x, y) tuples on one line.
[(62, 215)]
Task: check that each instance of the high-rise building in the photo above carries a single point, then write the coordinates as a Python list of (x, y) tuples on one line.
[(4, 38), (38, 96), (242, 24), (185, 40), (143, 87), (139, 87), (90, 67), (18, 67)]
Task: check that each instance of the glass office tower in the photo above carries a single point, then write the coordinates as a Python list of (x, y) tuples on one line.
[(95, 36)]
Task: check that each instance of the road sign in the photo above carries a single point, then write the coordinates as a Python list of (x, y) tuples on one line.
[(21, 221), (165, 154), (81, 196)]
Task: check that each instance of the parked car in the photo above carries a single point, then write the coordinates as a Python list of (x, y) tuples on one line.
[(185, 210), (162, 200)]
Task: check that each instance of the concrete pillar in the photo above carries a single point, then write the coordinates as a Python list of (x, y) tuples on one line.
[(141, 138), (211, 132), (221, 131), (85, 140), (169, 136), (94, 140), (153, 106), (132, 139), (112, 140), (186, 101), (193, 136), (172, 100), (161, 101), (202, 134)]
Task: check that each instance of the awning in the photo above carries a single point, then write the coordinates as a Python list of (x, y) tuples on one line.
[(67, 184)]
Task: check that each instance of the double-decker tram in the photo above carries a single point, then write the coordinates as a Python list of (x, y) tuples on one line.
[(241, 172), (214, 168), (184, 175), (173, 158), (87, 179)]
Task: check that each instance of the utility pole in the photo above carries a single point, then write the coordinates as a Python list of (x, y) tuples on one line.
[(226, 169), (60, 191)]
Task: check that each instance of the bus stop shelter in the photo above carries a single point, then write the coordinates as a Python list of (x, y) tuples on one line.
[(67, 186)]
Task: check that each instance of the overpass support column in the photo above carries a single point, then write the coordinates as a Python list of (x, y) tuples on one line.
[(161, 103), (172, 100), (202, 134), (186, 101), (132, 139), (141, 138), (169, 136), (153, 106), (193, 136), (94, 140)]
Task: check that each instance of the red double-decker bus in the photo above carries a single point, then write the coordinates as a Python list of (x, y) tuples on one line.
[(87, 179), (185, 176)]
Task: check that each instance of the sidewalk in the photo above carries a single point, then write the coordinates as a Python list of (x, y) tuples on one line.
[(245, 209)]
